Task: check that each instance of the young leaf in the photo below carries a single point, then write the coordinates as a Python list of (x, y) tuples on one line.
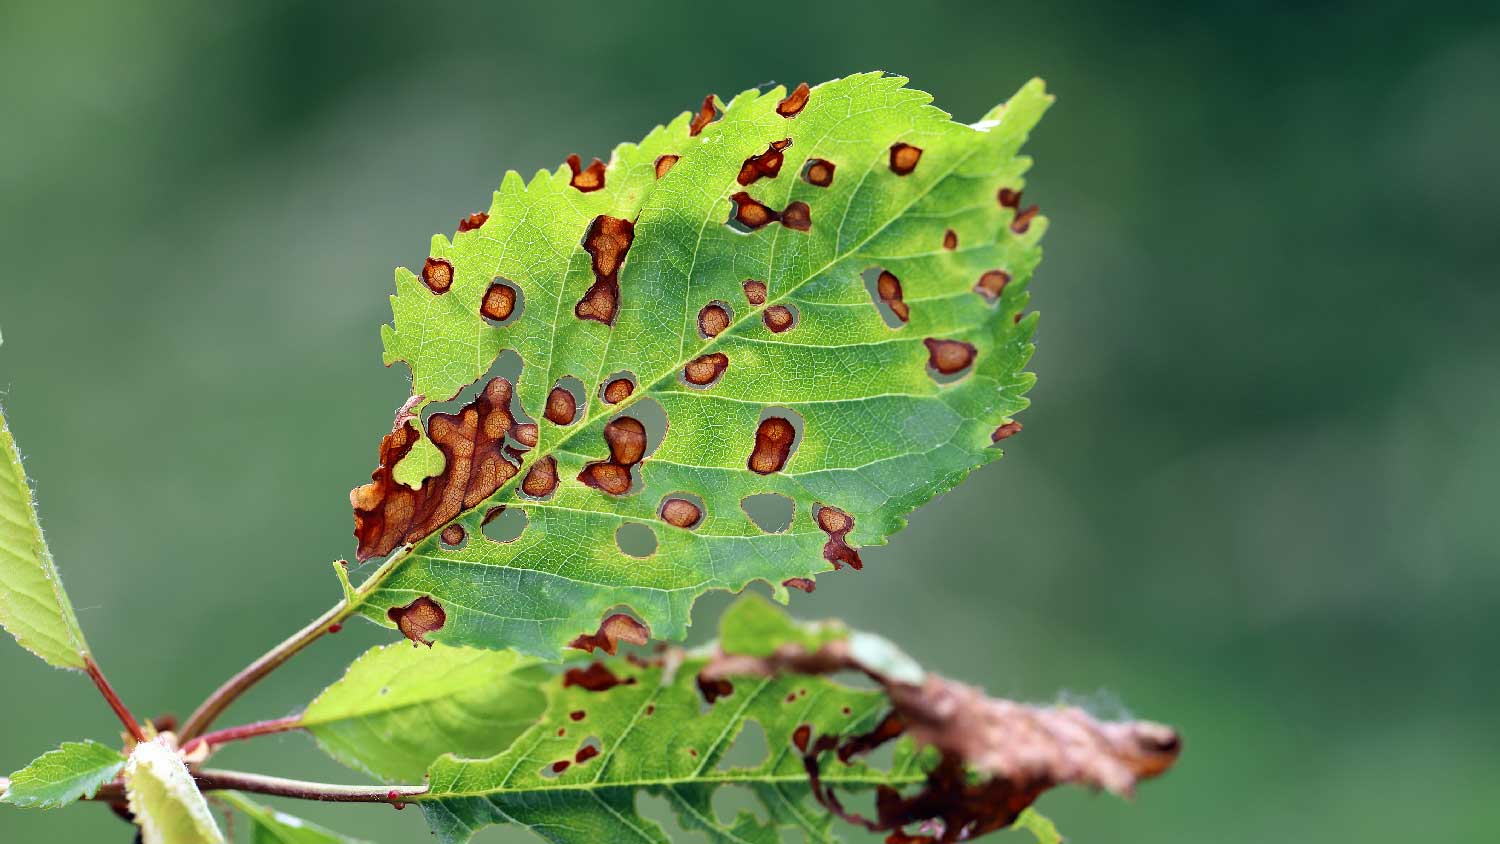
[(1040, 827), (33, 605), (164, 799), (268, 826), (395, 709), (74, 771), (820, 296)]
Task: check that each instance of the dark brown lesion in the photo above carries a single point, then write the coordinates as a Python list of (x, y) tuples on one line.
[(388, 514), (755, 291), (1023, 218), (626, 438), (802, 583), (419, 619), (454, 535), (713, 319), (794, 102), (1008, 198), (950, 240), (680, 512), (904, 158), (499, 301), (707, 113), (797, 216), (472, 222), (617, 390), (1005, 431), (751, 213), (991, 284), (779, 318), (766, 165), (712, 690), (774, 438), (819, 172), (541, 478), (614, 629), (948, 357), (664, 164), (562, 407), (586, 180), (704, 370), (837, 550), (607, 242), (888, 287), (585, 753), (437, 274), (595, 678)]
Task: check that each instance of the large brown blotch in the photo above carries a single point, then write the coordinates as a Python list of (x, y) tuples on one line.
[(766, 165), (388, 514), (837, 550), (705, 369), (613, 630), (437, 274), (904, 158), (774, 438), (626, 438), (586, 180), (418, 619), (888, 287), (792, 105), (607, 241), (707, 114), (949, 356)]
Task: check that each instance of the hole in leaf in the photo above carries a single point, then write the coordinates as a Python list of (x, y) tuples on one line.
[(750, 748), (504, 524), (885, 292), (636, 540), (772, 512)]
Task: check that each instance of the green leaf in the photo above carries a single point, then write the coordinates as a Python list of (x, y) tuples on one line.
[(58, 777), (33, 605), (164, 799), (396, 709), (268, 826), (879, 433), (1040, 827)]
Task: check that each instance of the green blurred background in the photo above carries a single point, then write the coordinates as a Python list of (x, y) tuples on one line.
[(1256, 496)]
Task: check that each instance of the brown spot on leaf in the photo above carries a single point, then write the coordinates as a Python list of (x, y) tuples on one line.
[(707, 114), (627, 445), (801, 736), (664, 164), (819, 172), (526, 434), (609, 477), (418, 619), (773, 445), (837, 524), (755, 291), (793, 103), (1009, 198), (561, 406), (541, 479), (586, 180), (992, 284), (577, 714), (705, 369), (437, 274), (585, 753), (680, 512), (613, 630), (453, 535), (949, 356), (766, 165), (904, 158), (1023, 219), (714, 689), (889, 289), (472, 441), (797, 216), (560, 765), (607, 241), (950, 239), (713, 319), (473, 221), (595, 678), (1006, 431), (650, 709), (750, 213), (778, 318), (499, 302), (803, 583), (618, 390)]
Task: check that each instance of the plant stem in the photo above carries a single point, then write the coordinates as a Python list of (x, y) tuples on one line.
[(242, 732), (215, 780), (97, 675)]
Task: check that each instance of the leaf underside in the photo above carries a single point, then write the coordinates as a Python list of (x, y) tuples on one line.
[(165, 800), (812, 386), (70, 773)]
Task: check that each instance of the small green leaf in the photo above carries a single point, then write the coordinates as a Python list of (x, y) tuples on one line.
[(72, 772), (165, 800), (754, 626), (1036, 823), (268, 826), (397, 708), (33, 605)]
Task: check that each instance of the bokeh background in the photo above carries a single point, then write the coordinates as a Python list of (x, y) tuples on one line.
[(1256, 496)]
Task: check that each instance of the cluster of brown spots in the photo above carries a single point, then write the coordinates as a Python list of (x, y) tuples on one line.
[(753, 214), (541, 480), (626, 437), (437, 274), (707, 113), (837, 524), (586, 180), (801, 736), (712, 690), (704, 370), (419, 618), (473, 221), (992, 284), (755, 291), (617, 390), (888, 287), (904, 158), (595, 678), (803, 583), (950, 240), (607, 241), (713, 319), (562, 408), (499, 302), (1023, 219), (778, 318), (819, 172), (585, 753), (680, 512), (664, 164), (766, 165), (793, 103), (773, 445), (454, 535), (613, 630), (949, 356), (577, 715), (1006, 431), (388, 513)]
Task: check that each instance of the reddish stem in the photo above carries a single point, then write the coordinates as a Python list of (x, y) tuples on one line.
[(244, 731), (121, 712), (211, 780)]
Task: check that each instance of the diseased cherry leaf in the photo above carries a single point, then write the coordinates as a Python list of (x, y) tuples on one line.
[(72, 772), (704, 328), (165, 800), (33, 605), (396, 709), (268, 826)]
